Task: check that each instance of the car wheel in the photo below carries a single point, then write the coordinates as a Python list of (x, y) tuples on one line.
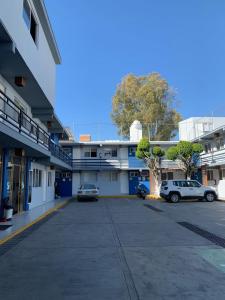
[(174, 198), (210, 197)]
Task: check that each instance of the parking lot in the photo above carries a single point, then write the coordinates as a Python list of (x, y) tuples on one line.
[(120, 249)]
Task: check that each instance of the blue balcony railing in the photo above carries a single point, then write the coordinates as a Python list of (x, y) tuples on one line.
[(14, 117)]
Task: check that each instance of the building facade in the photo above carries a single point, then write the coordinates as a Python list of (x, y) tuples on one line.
[(30, 154), (112, 166), (212, 160)]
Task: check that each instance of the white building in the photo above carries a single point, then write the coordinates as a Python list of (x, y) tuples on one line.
[(29, 129), (194, 127), (213, 159), (112, 165)]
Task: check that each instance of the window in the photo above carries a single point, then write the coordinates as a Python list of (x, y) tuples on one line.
[(163, 176), (170, 175), (92, 152), (208, 148), (132, 151), (167, 176), (134, 174), (207, 127), (193, 184), (114, 152), (210, 174), (222, 174), (221, 142), (30, 20), (49, 178), (37, 178)]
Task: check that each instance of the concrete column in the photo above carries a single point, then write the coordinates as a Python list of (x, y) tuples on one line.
[(5, 159), (26, 193)]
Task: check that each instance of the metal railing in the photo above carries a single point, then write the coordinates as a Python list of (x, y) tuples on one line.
[(14, 117), (59, 153), (98, 164)]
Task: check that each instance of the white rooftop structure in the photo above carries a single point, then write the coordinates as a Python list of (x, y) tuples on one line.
[(192, 128), (135, 131)]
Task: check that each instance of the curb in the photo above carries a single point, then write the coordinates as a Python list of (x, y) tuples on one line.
[(41, 217)]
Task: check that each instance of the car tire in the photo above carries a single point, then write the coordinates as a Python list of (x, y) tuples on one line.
[(210, 197), (174, 197)]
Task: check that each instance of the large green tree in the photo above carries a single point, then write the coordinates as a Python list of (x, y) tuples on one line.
[(187, 156), (148, 99)]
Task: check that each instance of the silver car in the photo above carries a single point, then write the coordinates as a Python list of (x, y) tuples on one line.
[(87, 191)]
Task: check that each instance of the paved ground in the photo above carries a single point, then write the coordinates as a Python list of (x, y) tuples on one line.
[(119, 249)]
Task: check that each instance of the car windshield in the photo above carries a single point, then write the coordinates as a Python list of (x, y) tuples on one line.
[(88, 187)]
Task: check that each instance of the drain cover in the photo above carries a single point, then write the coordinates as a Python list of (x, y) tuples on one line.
[(153, 207), (4, 227), (215, 239)]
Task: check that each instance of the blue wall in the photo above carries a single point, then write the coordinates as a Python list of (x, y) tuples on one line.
[(134, 162)]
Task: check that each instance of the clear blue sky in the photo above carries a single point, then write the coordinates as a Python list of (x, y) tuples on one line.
[(102, 40)]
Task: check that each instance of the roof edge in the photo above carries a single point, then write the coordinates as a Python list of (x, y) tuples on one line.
[(46, 24)]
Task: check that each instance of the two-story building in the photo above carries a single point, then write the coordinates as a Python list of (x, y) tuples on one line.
[(213, 159), (112, 165), (30, 154)]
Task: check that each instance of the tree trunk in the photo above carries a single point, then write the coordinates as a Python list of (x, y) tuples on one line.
[(154, 185)]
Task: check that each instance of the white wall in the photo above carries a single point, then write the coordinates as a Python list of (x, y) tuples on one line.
[(12, 94), (76, 152), (103, 180), (123, 153), (40, 195), (124, 184), (38, 57), (76, 183), (193, 127), (106, 185)]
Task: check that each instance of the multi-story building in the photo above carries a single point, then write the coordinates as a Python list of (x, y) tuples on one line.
[(195, 127), (112, 165), (30, 154), (213, 159)]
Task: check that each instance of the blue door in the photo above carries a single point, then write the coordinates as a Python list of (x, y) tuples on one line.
[(136, 177), (64, 184)]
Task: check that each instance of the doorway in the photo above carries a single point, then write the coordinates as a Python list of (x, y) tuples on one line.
[(16, 182)]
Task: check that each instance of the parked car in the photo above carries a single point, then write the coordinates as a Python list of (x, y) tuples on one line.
[(174, 190), (87, 191)]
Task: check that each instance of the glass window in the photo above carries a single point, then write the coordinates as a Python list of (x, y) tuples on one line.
[(26, 13), (37, 178), (30, 20), (193, 184), (114, 152), (93, 152), (170, 175), (163, 176)]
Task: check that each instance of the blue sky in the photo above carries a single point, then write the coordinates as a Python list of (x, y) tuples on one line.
[(103, 40)]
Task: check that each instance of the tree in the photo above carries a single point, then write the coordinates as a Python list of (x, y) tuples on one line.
[(187, 155), (152, 158), (148, 99)]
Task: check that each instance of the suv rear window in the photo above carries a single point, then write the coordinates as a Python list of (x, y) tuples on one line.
[(164, 183)]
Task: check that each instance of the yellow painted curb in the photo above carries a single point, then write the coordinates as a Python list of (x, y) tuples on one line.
[(48, 212), (153, 197)]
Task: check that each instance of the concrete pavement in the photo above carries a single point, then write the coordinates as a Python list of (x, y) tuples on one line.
[(118, 249)]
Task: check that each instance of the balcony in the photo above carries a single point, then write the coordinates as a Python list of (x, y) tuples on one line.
[(15, 118), (99, 164)]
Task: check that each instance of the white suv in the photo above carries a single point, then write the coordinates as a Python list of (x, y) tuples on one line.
[(174, 190)]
